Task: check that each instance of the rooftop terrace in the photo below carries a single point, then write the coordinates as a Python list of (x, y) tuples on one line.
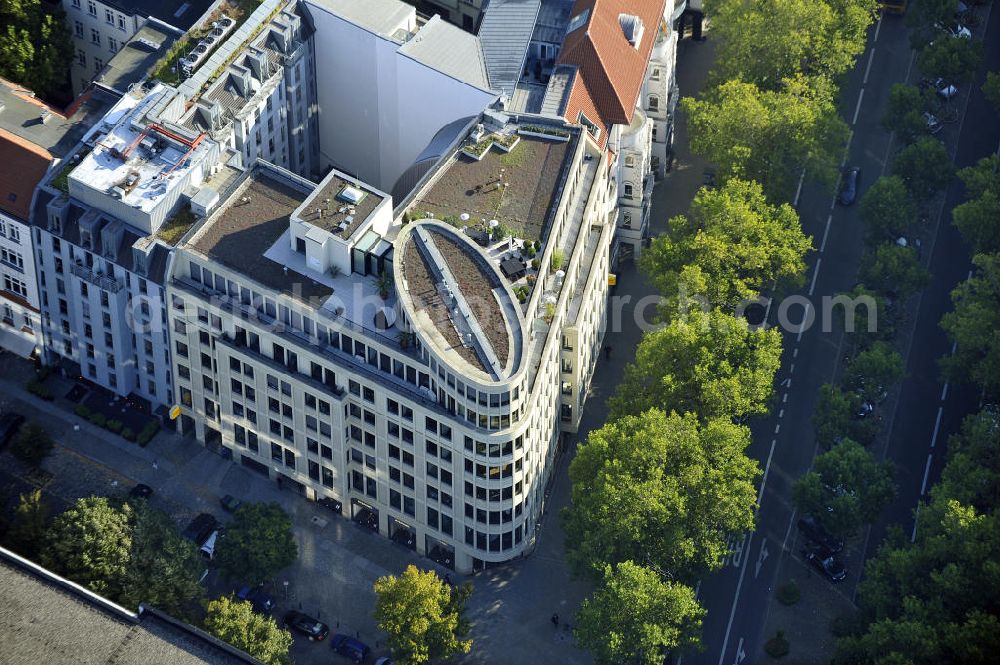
[(340, 206)]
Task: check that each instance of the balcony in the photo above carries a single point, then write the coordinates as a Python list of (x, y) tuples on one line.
[(97, 279)]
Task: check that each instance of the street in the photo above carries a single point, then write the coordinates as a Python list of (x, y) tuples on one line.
[(926, 412)]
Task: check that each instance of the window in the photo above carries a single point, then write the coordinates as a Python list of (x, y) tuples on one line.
[(78, 28), (626, 223), (112, 44), (17, 286), (109, 16), (653, 103), (121, 22), (630, 161), (76, 4), (95, 36), (655, 74), (92, 8), (98, 66), (627, 190)]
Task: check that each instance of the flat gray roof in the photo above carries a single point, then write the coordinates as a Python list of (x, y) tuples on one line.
[(450, 50), (21, 115), (135, 59), (378, 16)]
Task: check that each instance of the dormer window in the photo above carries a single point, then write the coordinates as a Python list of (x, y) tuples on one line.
[(632, 28), (594, 130), (578, 21)]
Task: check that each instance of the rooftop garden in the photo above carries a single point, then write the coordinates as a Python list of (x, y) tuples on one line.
[(177, 226), (167, 69)]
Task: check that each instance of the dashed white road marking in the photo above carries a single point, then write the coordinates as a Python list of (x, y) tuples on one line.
[(812, 286), (937, 426), (857, 108), (826, 232), (927, 471)]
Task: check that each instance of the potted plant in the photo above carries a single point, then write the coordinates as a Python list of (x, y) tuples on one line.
[(383, 282)]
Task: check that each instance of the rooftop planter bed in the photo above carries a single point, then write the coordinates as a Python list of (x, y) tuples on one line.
[(544, 132), (506, 143), (478, 150)]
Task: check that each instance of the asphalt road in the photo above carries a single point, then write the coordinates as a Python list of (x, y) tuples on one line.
[(737, 596)]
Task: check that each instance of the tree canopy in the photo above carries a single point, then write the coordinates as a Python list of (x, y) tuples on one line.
[(953, 59), (873, 371), (925, 167), (887, 209), (660, 489), (835, 418), (635, 617), (768, 135), (422, 615), (258, 543), (739, 242), (32, 444), (991, 89), (978, 218), (846, 488), (905, 110), (710, 363), (235, 622), (893, 270), (36, 49), (974, 326), (26, 534)]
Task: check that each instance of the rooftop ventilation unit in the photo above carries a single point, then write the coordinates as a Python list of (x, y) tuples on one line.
[(147, 44)]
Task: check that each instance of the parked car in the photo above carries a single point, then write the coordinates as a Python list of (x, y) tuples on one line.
[(230, 503), (331, 504), (304, 624), (141, 491), (826, 562), (350, 647), (200, 528), (9, 424), (814, 531), (954, 30), (933, 124), (849, 185), (207, 548), (384, 660), (262, 602)]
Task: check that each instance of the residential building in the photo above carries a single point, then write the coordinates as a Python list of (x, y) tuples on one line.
[(466, 14), (421, 373), (101, 244), (137, 57), (100, 28), (33, 136), (45, 618)]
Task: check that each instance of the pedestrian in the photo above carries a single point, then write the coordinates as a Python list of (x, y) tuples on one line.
[(555, 620)]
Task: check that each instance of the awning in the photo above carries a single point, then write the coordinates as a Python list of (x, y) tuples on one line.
[(15, 343)]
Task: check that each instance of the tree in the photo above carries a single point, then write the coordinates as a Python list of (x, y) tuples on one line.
[(923, 16), (711, 364), (768, 135), (27, 531), (258, 543), (835, 418), (36, 49), (925, 168), (90, 544), (904, 113), (953, 59), (974, 326), (235, 622), (887, 209), (972, 474), (32, 444), (873, 371), (978, 219), (766, 41), (874, 317), (422, 615), (163, 567), (660, 489), (991, 89), (636, 617), (739, 242), (893, 270), (846, 488)]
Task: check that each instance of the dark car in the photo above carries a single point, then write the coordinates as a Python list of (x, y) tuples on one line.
[(849, 185), (331, 504), (230, 503), (200, 528), (141, 491), (825, 561), (814, 531), (262, 602), (350, 647), (9, 424), (304, 624)]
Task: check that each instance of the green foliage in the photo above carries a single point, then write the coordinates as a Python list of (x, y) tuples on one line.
[(114, 426), (661, 489), (422, 616), (90, 544), (130, 553), (521, 293), (235, 622), (557, 259), (765, 42), (893, 270), (991, 89), (904, 113), (27, 530), (777, 646), (924, 15), (887, 209), (36, 49), (258, 543), (834, 418), (951, 58), (866, 315), (128, 434), (737, 243), (99, 419), (972, 474), (973, 326), (873, 371), (978, 219), (711, 364), (925, 167), (82, 410), (768, 135), (788, 594), (637, 617), (846, 488), (147, 433), (32, 444), (38, 389)]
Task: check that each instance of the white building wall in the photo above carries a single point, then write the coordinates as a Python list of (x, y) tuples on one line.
[(99, 31), (20, 317)]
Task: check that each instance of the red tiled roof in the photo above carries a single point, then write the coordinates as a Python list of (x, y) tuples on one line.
[(24, 166), (609, 70)]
